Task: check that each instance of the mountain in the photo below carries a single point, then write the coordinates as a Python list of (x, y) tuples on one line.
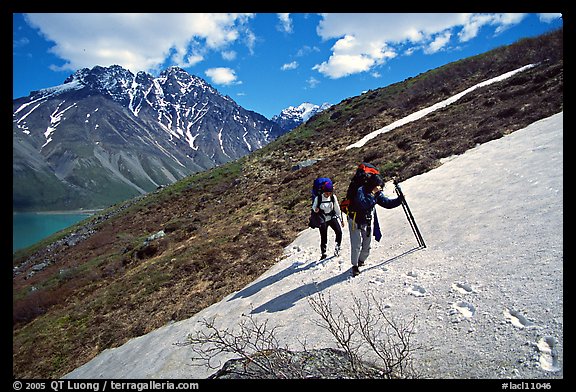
[(106, 135), (291, 117), (165, 256)]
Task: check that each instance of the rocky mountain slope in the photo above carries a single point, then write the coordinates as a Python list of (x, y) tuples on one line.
[(106, 135), (484, 299), (165, 256)]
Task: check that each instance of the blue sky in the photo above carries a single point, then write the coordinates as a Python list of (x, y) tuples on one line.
[(264, 61)]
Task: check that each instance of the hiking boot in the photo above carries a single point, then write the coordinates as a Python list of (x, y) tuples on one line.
[(337, 251), (355, 270), (360, 263)]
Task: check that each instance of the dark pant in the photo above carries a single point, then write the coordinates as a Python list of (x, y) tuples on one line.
[(335, 225)]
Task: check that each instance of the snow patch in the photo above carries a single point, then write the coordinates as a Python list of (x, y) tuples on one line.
[(55, 119), (421, 113)]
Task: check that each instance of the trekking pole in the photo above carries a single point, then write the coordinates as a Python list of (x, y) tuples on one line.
[(410, 217)]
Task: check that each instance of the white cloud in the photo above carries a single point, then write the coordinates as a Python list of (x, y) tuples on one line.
[(288, 66), (366, 41), (339, 65), (438, 43), (139, 42), (475, 22), (285, 23), (222, 76), (190, 60), (305, 50), (229, 55), (249, 40), (548, 18), (312, 82), (20, 42)]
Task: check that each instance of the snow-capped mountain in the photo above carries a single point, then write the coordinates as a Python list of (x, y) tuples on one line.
[(106, 134), (291, 117)]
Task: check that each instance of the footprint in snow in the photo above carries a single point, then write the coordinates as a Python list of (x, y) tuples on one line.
[(464, 308), (416, 290), (463, 288), (548, 354), (296, 264), (517, 319), (379, 281)]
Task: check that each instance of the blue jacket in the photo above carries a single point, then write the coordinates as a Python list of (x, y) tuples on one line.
[(365, 202)]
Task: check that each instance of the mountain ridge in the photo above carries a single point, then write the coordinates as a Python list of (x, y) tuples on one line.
[(226, 226), (128, 133)]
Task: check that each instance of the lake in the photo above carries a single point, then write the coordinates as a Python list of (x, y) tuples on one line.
[(31, 227)]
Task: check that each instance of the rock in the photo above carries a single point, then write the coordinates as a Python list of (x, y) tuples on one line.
[(326, 363), (303, 164)]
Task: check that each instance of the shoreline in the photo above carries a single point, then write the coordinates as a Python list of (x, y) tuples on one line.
[(60, 212)]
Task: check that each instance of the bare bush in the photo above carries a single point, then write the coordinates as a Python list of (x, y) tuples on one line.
[(364, 330), (255, 344), (381, 335)]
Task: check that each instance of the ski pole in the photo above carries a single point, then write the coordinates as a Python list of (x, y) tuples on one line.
[(412, 223), (409, 216)]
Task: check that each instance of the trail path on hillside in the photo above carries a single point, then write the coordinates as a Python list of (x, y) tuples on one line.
[(487, 292)]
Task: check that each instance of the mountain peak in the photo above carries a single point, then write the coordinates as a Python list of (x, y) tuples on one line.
[(292, 116), (97, 73), (174, 69), (176, 79)]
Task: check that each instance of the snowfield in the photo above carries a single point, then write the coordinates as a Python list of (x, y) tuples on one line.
[(486, 293)]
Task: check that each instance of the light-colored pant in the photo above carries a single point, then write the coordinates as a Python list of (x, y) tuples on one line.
[(360, 240)]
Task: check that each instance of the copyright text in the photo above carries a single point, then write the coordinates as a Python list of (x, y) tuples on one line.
[(101, 386)]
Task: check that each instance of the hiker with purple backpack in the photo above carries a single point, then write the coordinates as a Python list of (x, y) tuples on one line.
[(326, 210)]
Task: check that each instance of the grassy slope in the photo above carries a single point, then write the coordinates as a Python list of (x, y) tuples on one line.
[(226, 226)]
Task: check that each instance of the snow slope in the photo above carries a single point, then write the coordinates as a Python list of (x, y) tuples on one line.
[(487, 292)]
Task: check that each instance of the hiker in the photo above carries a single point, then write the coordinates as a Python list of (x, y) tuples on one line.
[(361, 211), (326, 205)]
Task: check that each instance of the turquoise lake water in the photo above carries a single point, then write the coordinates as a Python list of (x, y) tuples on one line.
[(31, 227)]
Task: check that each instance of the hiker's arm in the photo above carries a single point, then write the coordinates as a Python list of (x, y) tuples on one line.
[(338, 211), (337, 206), (385, 202), (315, 204)]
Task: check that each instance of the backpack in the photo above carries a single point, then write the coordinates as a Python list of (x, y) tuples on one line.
[(363, 173)]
